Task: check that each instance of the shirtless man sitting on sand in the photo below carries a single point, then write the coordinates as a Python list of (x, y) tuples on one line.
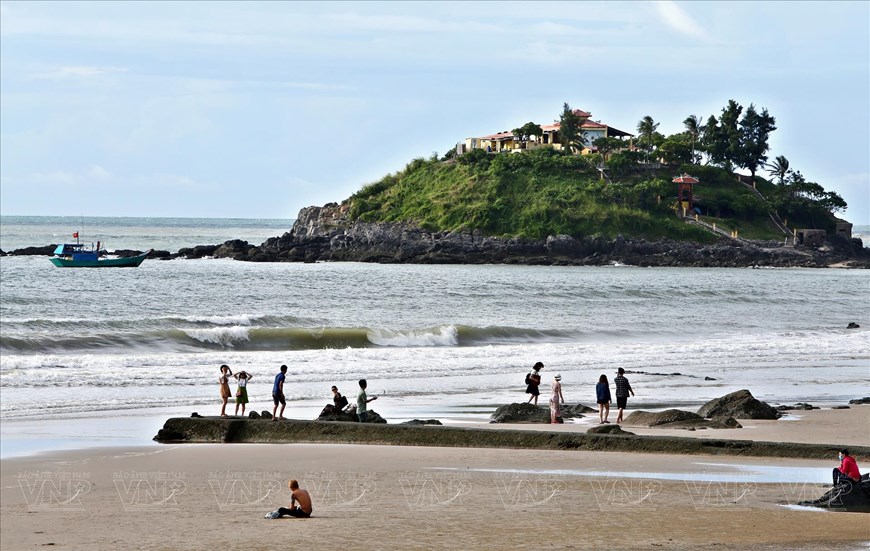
[(300, 503)]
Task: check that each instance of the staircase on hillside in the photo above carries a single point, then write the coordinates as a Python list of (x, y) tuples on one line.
[(774, 216)]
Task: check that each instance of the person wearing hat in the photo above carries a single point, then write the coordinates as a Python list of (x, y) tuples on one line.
[(623, 388), (556, 400), (242, 391)]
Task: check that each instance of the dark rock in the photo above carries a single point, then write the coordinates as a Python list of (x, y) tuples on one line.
[(520, 413), (347, 417), (678, 419), (265, 414), (253, 415), (797, 406), (709, 379), (195, 414), (853, 325), (864, 400), (841, 407), (846, 496), (47, 250), (168, 435), (576, 411), (608, 429), (422, 422), (740, 405), (127, 253)]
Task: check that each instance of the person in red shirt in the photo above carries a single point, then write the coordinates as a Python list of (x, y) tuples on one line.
[(848, 468)]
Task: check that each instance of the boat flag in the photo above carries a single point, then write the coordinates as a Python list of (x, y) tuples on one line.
[(76, 234)]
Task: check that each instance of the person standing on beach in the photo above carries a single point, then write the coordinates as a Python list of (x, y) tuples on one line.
[(602, 393), (848, 468), (533, 380), (362, 400), (300, 503), (224, 381), (278, 393), (556, 400), (623, 387), (242, 391)]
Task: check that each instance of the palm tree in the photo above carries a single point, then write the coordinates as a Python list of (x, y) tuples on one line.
[(646, 128), (779, 167), (693, 127)]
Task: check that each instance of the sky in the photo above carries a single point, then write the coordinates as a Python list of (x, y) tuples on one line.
[(256, 110)]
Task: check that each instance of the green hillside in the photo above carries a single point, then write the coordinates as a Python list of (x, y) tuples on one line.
[(544, 192)]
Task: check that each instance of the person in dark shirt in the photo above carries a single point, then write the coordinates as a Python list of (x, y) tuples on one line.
[(602, 394), (623, 388)]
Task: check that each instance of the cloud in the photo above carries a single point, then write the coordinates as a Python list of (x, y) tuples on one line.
[(79, 72), (674, 17)]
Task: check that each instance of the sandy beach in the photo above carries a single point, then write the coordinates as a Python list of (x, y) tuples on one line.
[(391, 497)]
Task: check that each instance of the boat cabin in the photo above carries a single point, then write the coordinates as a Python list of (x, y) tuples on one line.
[(75, 251)]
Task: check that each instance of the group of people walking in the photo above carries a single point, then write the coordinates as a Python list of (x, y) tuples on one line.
[(602, 394)]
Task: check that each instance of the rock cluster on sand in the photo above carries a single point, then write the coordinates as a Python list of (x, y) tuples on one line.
[(608, 429), (679, 419), (329, 414), (864, 400), (740, 405), (530, 413)]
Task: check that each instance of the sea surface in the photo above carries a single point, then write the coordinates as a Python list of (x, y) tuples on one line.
[(131, 346)]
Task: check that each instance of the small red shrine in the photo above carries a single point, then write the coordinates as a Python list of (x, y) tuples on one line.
[(685, 194)]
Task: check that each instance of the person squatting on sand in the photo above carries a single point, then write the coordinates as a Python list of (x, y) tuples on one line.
[(242, 390), (533, 381), (362, 400), (555, 400), (278, 393), (224, 381), (300, 503), (848, 469), (602, 394), (623, 387)]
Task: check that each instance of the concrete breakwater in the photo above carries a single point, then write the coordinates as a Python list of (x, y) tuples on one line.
[(242, 430)]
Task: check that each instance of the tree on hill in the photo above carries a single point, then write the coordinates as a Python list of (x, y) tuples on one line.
[(571, 131), (606, 146), (646, 128), (755, 128), (722, 137), (676, 150), (779, 168), (693, 126), (525, 131)]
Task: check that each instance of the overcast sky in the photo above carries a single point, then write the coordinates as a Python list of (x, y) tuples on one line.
[(255, 110)]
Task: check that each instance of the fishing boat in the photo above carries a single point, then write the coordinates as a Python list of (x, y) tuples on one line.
[(75, 255)]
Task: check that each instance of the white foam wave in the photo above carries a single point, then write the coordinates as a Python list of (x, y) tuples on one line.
[(445, 335), (241, 319), (224, 336)]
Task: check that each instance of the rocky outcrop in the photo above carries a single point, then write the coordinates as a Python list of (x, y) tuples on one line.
[(608, 429), (422, 422), (845, 496), (324, 234), (218, 429), (740, 405), (678, 419), (329, 414), (47, 250), (803, 406), (529, 413), (864, 400)]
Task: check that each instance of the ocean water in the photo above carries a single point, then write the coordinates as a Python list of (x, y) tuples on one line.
[(449, 342)]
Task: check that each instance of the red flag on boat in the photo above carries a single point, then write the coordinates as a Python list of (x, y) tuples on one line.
[(76, 235)]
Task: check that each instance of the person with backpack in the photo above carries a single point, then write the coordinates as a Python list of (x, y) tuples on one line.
[(533, 381)]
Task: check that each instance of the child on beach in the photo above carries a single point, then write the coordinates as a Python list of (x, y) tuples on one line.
[(224, 381), (300, 503), (602, 394), (242, 391), (362, 400), (533, 380)]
